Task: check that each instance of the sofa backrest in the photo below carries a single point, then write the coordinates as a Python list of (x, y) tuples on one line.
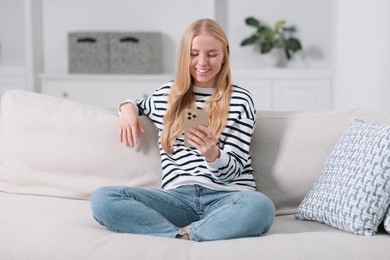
[(56, 147), (289, 149)]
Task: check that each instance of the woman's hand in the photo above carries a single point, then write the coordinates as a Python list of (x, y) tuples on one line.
[(203, 139), (130, 125)]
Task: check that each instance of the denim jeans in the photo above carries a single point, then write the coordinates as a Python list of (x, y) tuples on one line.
[(212, 215)]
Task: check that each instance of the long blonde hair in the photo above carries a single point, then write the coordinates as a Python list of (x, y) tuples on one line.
[(181, 95)]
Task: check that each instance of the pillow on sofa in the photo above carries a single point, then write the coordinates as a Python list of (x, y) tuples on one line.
[(387, 221), (353, 191)]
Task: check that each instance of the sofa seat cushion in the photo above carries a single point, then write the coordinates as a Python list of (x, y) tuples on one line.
[(45, 228)]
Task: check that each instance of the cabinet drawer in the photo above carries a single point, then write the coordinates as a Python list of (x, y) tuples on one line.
[(103, 92)]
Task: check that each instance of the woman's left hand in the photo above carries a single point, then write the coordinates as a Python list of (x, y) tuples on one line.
[(203, 139)]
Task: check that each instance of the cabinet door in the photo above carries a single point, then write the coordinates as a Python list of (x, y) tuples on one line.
[(261, 92), (301, 94)]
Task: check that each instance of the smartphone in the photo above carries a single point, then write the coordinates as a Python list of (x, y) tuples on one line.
[(194, 118)]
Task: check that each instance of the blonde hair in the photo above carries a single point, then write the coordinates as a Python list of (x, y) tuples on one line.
[(181, 95)]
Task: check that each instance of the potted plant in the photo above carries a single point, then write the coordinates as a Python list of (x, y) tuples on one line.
[(280, 36)]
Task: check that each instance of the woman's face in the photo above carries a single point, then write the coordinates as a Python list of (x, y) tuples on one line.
[(206, 60)]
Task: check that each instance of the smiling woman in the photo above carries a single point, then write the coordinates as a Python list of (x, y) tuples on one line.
[(208, 185)]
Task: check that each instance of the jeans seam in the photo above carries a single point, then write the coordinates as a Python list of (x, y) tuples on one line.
[(194, 229), (107, 226), (161, 200), (177, 230)]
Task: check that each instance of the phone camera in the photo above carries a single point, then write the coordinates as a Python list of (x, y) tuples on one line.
[(191, 116)]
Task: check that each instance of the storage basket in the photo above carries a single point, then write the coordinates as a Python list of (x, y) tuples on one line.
[(88, 52)]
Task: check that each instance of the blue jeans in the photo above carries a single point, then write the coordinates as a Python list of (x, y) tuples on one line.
[(212, 215)]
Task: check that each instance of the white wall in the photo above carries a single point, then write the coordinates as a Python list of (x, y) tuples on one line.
[(12, 49), (172, 16), (362, 63), (312, 19), (169, 16), (351, 37)]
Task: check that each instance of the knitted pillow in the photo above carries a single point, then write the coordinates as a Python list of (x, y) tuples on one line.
[(387, 221), (353, 191)]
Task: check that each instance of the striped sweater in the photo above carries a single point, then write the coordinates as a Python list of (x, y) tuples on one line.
[(186, 166)]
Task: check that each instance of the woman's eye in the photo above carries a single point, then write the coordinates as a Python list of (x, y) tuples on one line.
[(212, 55), (194, 54)]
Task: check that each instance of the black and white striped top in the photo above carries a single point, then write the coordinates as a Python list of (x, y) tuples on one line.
[(186, 166)]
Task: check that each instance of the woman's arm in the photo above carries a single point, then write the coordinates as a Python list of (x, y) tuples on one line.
[(130, 126), (234, 159), (129, 111)]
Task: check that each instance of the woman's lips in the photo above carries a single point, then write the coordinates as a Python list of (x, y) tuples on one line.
[(202, 70)]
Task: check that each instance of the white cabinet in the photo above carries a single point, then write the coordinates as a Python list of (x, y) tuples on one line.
[(102, 90), (288, 89), (276, 89), (301, 94)]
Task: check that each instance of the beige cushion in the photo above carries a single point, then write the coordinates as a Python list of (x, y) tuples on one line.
[(37, 228), (289, 150), (54, 147)]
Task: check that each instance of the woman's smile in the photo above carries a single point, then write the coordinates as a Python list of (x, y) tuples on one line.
[(202, 70), (206, 60)]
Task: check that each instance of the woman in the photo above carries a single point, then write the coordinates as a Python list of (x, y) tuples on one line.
[(208, 190)]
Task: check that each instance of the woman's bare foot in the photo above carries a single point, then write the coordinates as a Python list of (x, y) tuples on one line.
[(186, 236)]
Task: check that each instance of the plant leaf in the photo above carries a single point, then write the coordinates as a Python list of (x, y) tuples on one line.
[(286, 51), (266, 47), (293, 44), (279, 25), (290, 29), (266, 35), (261, 29), (251, 21), (250, 40)]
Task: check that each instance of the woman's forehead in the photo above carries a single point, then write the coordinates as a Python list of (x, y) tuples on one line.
[(206, 41)]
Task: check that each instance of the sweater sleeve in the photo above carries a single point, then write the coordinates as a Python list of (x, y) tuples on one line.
[(148, 106), (235, 142), (125, 102)]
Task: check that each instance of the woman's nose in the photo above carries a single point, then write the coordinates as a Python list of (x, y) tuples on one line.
[(203, 60)]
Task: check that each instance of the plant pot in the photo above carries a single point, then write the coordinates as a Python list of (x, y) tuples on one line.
[(279, 58)]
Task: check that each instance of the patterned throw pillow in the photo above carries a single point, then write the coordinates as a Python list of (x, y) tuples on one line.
[(387, 221), (353, 191)]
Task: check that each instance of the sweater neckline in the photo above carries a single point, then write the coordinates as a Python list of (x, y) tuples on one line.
[(202, 90)]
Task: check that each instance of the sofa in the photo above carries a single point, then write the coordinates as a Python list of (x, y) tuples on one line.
[(54, 153)]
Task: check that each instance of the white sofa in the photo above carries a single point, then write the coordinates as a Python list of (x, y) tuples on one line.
[(54, 153)]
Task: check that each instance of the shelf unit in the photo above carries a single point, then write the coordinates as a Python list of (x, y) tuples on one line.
[(271, 89), (279, 89)]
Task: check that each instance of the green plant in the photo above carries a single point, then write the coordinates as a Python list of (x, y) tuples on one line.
[(268, 38)]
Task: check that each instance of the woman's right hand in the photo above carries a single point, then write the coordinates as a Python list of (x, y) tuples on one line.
[(130, 125)]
